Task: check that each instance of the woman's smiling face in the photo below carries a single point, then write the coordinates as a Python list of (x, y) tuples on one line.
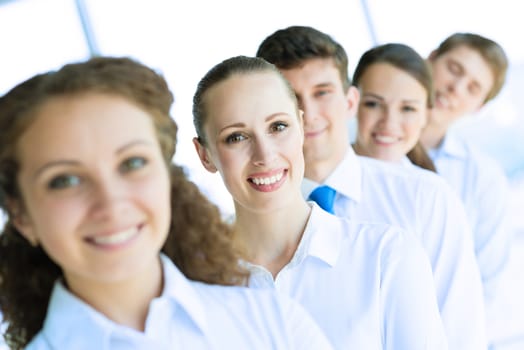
[(95, 187), (392, 112), (254, 139)]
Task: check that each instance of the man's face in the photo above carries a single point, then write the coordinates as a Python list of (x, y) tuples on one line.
[(462, 80), (327, 108)]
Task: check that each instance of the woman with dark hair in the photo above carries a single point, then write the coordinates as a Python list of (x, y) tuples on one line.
[(360, 282), (97, 214), (396, 93)]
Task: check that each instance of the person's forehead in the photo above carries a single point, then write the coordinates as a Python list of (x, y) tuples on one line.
[(251, 92), (466, 54), (313, 72), (248, 83), (470, 58)]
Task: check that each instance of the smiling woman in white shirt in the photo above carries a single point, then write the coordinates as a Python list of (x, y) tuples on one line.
[(369, 286), (98, 215), (397, 94)]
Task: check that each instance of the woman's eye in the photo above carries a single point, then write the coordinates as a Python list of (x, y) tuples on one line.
[(63, 181), (370, 104), (409, 109), (133, 163), (278, 127), (234, 138)]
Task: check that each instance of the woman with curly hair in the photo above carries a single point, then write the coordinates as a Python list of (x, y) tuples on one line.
[(97, 214)]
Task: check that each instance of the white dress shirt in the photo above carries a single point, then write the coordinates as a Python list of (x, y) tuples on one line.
[(482, 185), (369, 286), (421, 202), (188, 315)]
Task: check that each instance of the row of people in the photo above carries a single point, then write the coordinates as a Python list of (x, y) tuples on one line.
[(316, 67), (368, 286), (262, 123), (102, 227), (402, 103)]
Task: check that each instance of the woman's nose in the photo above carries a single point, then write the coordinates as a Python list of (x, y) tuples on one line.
[(108, 196), (264, 151)]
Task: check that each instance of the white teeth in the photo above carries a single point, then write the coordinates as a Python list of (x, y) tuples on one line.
[(386, 139), (116, 238), (267, 180)]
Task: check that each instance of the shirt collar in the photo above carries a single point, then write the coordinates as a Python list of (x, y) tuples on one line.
[(346, 179), (179, 289), (321, 239), (325, 235), (70, 320), (450, 146), (406, 163), (71, 323)]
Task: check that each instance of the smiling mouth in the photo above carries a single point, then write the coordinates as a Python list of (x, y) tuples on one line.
[(117, 238), (270, 180), (383, 139)]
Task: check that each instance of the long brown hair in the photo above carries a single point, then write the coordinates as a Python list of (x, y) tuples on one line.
[(199, 242)]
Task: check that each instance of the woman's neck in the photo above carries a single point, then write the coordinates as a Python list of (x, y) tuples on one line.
[(270, 239), (124, 302), (396, 159)]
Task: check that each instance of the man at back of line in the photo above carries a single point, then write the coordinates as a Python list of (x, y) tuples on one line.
[(371, 190), (468, 71)]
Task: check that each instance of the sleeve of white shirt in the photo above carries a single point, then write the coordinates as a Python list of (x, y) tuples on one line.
[(449, 244), (411, 316), (303, 331), (492, 233)]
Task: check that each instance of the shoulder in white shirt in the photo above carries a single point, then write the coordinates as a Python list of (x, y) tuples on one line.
[(369, 286), (425, 205), (188, 315), (483, 187)]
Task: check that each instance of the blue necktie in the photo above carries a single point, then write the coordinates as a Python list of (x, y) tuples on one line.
[(324, 196)]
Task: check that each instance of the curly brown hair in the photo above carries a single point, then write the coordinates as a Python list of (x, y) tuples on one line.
[(198, 242)]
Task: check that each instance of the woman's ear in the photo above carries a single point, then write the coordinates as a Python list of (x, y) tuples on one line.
[(22, 222), (203, 154)]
